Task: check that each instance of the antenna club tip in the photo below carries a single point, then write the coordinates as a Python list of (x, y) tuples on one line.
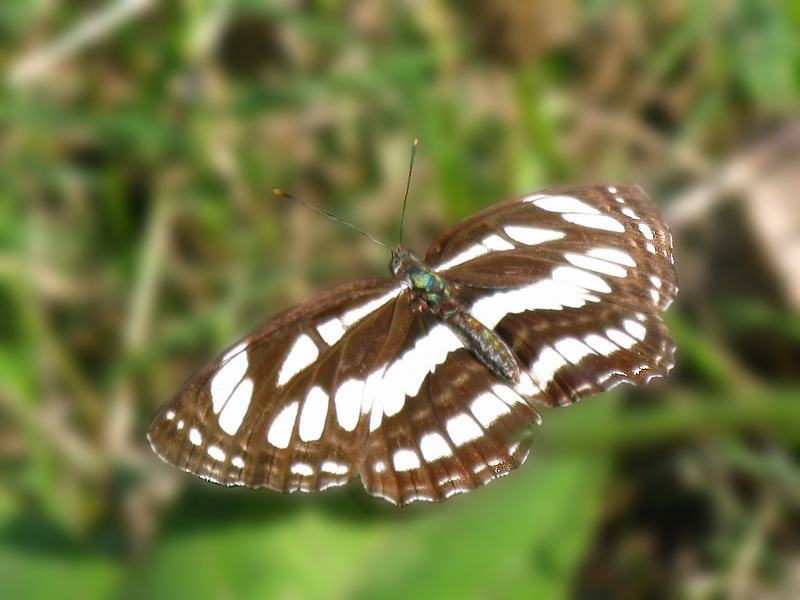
[(277, 192), (416, 142)]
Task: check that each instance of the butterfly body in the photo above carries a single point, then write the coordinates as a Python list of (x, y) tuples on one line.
[(422, 385), (439, 296), (486, 346)]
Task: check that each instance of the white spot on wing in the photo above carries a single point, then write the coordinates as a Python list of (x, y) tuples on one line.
[(376, 414), (487, 408), (495, 242), (637, 330), (565, 204), (300, 468), (303, 352), (331, 331), (646, 231), (472, 252), (216, 453), (416, 497), (371, 402), (280, 432), (170, 415), (596, 264), (656, 281), (403, 377), (313, 415), (580, 278), (629, 213), (533, 197), (448, 479), (507, 395), (650, 247), (454, 491), (490, 243), (526, 387), (595, 221), (612, 189), (391, 385), (433, 446), (368, 395), (379, 467), (623, 340), (612, 255), (600, 344), (544, 295), (228, 376), (655, 296), (545, 366), (241, 347), (462, 429), (238, 462), (348, 403), (440, 342), (405, 460), (230, 419), (532, 235), (195, 437), (333, 467), (356, 314), (572, 349)]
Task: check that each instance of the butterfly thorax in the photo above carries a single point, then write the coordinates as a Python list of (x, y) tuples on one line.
[(427, 286), (436, 294)]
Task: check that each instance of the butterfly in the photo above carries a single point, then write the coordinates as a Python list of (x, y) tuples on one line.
[(424, 384)]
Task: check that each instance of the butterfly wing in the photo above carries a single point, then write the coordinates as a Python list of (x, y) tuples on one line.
[(279, 409), (442, 424), (573, 280)]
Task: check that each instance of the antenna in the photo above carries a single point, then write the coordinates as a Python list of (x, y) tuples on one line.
[(408, 184), (332, 217)]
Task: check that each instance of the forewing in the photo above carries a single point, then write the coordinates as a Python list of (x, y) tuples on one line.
[(573, 280), (276, 409)]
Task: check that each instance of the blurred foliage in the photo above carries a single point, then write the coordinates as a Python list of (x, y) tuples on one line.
[(138, 237)]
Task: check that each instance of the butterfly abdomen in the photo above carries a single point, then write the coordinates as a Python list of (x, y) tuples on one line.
[(485, 345)]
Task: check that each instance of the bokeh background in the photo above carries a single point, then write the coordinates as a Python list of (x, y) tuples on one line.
[(138, 237)]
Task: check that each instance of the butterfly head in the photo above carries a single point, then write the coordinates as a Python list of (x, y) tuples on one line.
[(402, 259)]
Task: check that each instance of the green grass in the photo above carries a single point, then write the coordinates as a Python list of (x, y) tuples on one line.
[(139, 237)]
